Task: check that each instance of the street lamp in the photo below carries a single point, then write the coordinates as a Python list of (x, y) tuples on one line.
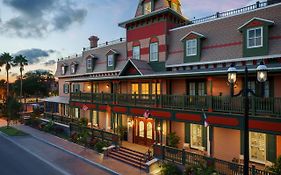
[(261, 77)]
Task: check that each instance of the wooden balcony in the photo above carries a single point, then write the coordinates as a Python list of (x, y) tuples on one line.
[(270, 107)]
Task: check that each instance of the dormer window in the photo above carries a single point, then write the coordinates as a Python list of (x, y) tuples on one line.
[(254, 37), (191, 47), (109, 60), (136, 52), (63, 70), (73, 69), (89, 64), (147, 8)]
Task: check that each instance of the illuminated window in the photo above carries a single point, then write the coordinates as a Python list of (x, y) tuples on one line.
[(191, 47), (153, 51), (135, 88), (141, 129), (196, 136), (145, 88), (156, 89), (95, 119), (257, 147), (147, 8), (110, 60), (136, 52), (149, 130), (254, 37), (76, 112)]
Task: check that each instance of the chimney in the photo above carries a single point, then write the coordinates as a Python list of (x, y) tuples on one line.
[(93, 41), (269, 2)]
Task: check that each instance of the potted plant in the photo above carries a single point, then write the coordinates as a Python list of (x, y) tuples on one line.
[(173, 140), (276, 167)]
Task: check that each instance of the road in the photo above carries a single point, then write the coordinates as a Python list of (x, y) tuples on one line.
[(16, 161)]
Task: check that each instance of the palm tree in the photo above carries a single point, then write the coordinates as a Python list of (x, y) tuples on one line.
[(21, 61), (6, 59)]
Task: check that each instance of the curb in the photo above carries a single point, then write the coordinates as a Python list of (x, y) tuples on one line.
[(33, 154), (75, 155)]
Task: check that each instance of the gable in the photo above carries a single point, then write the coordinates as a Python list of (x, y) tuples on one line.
[(129, 69), (192, 35), (256, 22)]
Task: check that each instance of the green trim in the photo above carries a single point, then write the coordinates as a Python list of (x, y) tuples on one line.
[(194, 58), (204, 137), (187, 132), (271, 148), (110, 68)]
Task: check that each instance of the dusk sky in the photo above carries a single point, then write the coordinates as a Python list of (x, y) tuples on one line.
[(45, 30)]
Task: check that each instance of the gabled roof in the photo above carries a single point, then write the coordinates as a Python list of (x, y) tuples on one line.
[(74, 62), (91, 56), (193, 33), (269, 22), (141, 67), (112, 51)]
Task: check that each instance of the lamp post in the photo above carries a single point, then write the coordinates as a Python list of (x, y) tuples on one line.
[(261, 77)]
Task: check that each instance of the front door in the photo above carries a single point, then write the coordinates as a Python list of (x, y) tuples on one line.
[(144, 130)]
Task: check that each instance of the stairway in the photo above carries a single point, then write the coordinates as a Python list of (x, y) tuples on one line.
[(128, 156)]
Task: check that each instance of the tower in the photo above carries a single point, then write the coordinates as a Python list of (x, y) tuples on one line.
[(147, 33)]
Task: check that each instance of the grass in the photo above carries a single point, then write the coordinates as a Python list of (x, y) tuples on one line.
[(10, 131)]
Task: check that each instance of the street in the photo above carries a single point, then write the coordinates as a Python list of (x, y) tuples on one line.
[(16, 161)]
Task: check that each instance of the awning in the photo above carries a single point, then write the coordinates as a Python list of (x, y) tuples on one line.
[(57, 99)]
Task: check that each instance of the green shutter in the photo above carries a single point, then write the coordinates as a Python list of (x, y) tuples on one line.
[(204, 137), (271, 147), (187, 132)]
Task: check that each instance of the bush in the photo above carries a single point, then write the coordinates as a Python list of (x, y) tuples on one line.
[(276, 168), (48, 127), (173, 140), (83, 121), (170, 169), (99, 145), (202, 168)]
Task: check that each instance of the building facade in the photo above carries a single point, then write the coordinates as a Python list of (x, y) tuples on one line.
[(170, 75)]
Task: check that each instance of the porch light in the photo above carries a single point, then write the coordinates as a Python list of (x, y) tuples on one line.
[(158, 128), (107, 86), (262, 72), (130, 123), (232, 72)]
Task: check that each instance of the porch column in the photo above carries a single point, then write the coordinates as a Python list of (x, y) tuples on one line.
[(92, 91)]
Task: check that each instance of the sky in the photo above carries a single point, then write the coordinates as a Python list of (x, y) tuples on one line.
[(45, 30)]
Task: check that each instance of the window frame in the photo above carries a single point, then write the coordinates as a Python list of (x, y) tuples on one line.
[(255, 37), (63, 70), (192, 136), (151, 52), (187, 48), (73, 69), (135, 56), (66, 88), (145, 10)]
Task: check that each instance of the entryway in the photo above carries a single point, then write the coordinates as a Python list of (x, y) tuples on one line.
[(144, 131)]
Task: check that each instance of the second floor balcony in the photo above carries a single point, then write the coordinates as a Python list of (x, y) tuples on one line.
[(266, 107)]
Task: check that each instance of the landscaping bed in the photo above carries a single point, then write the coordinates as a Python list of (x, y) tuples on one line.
[(10, 131)]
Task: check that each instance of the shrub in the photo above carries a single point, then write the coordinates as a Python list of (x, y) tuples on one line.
[(74, 137), (170, 169), (276, 168), (173, 140), (83, 121), (203, 168), (99, 145)]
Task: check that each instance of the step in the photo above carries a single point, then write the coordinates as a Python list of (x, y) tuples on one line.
[(138, 165), (131, 151), (128, 156)]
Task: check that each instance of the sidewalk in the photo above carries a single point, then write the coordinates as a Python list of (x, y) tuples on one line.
[(86, 153)]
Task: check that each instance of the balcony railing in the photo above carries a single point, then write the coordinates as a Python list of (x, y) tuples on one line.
[(59, 118), (182, 157), (225, 104)]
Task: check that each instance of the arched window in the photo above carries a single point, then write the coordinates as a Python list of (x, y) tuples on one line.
[(149, 130), (141, 129)]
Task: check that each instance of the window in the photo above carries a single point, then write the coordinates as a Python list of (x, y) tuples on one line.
[(135, 88), (149, 130), (196, 136), (266, 89), (257, 147), (73, 68), (76, 88), (252, 86), (191, 47), (145, 88), (66, 88), (95, 119), (66, 110), (110, 60), (89, 63), (153, 51), (141, 129), (63, 70), (76, 112), (156, 88), (254, 37), (201, 89), (192, 89), (136, 52), (147, 8)]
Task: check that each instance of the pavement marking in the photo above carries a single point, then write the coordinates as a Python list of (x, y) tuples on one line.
[(33, 154), (78, 156)]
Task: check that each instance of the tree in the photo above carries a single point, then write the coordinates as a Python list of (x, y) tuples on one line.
[(7, 60), (11, 109), (21, 61)]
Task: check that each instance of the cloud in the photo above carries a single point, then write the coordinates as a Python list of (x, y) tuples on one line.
[(50, 63), (38, 18), (14, 74), (35, 55)]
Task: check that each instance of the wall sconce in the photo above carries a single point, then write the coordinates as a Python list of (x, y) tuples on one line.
[(107, 86), (158, 127), (89, 87)]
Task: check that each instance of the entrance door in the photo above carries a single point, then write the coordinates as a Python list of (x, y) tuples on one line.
[(144, 130)]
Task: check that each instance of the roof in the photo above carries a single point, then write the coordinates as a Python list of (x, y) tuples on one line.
[(223, 39), (57, 99), (258, 19), (142, 67)]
